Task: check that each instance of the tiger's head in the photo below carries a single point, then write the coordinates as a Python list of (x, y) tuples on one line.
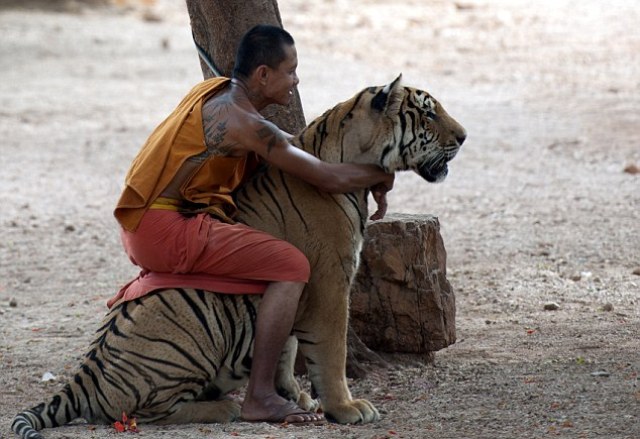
[(396, 127)]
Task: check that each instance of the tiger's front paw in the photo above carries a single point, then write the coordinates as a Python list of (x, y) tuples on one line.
[(306, 402), (357, 411), (226, 411)]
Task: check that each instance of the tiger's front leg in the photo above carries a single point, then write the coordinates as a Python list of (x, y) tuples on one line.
[(323, 341), (286, 383)]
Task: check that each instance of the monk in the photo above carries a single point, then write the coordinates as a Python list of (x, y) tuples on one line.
[(176, 210)]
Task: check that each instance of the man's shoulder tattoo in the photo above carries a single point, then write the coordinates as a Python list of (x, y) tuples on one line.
[(215, 119)]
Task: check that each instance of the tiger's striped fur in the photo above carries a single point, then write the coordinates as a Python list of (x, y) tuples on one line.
[(170, 356)]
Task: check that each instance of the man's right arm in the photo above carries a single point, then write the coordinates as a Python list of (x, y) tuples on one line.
[(231, 131), (264, 138)]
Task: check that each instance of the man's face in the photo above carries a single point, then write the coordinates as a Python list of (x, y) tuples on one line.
[(282, 80)]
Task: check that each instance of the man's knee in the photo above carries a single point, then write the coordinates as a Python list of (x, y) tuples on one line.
[(300, 265)]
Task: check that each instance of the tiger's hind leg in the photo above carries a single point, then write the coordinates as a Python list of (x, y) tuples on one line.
[(210, 412)]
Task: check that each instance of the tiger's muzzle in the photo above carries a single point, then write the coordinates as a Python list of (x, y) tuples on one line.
[(434, 173), (435, 168)]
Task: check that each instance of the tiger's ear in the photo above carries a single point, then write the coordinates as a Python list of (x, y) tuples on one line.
[(388, 99)]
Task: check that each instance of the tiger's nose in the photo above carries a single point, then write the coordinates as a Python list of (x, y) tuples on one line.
[(461, 138)]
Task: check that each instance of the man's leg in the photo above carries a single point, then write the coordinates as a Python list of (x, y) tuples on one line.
[(276, 315)]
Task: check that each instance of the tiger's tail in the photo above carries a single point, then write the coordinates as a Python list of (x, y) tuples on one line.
[(62, 408)]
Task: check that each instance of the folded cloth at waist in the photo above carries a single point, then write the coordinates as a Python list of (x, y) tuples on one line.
[(165, 203)]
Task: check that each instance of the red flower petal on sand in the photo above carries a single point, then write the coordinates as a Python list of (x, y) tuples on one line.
[(127, 424), (119, 427)]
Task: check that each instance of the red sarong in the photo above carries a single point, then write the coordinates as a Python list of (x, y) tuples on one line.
[(202, 252)]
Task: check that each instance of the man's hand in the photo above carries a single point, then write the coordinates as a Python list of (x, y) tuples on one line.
[(379, 192)]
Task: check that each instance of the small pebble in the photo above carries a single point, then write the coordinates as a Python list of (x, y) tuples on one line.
[(551, 306), (636, 271), (608, 307), (13, 302), (48, 376)]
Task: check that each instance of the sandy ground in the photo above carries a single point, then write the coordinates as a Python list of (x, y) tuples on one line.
[(537, 207)]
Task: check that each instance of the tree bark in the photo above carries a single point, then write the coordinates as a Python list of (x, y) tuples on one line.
[(218, 26)]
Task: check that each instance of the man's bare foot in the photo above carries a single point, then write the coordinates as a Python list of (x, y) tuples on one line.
[(278, 410)]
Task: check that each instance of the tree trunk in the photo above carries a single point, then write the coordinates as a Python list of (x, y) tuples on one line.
[(218, 26)]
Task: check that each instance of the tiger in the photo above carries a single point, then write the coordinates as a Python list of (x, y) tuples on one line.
[(171, 357)]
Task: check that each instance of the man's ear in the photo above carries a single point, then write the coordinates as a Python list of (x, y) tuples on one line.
[(262, 73)]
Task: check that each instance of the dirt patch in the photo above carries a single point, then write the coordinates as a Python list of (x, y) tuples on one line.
[(537, 207)]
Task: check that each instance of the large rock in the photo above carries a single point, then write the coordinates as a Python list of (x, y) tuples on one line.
[(401, 300)]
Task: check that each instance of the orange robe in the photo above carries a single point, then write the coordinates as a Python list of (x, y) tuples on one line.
[(177, 138), (205, 250)]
